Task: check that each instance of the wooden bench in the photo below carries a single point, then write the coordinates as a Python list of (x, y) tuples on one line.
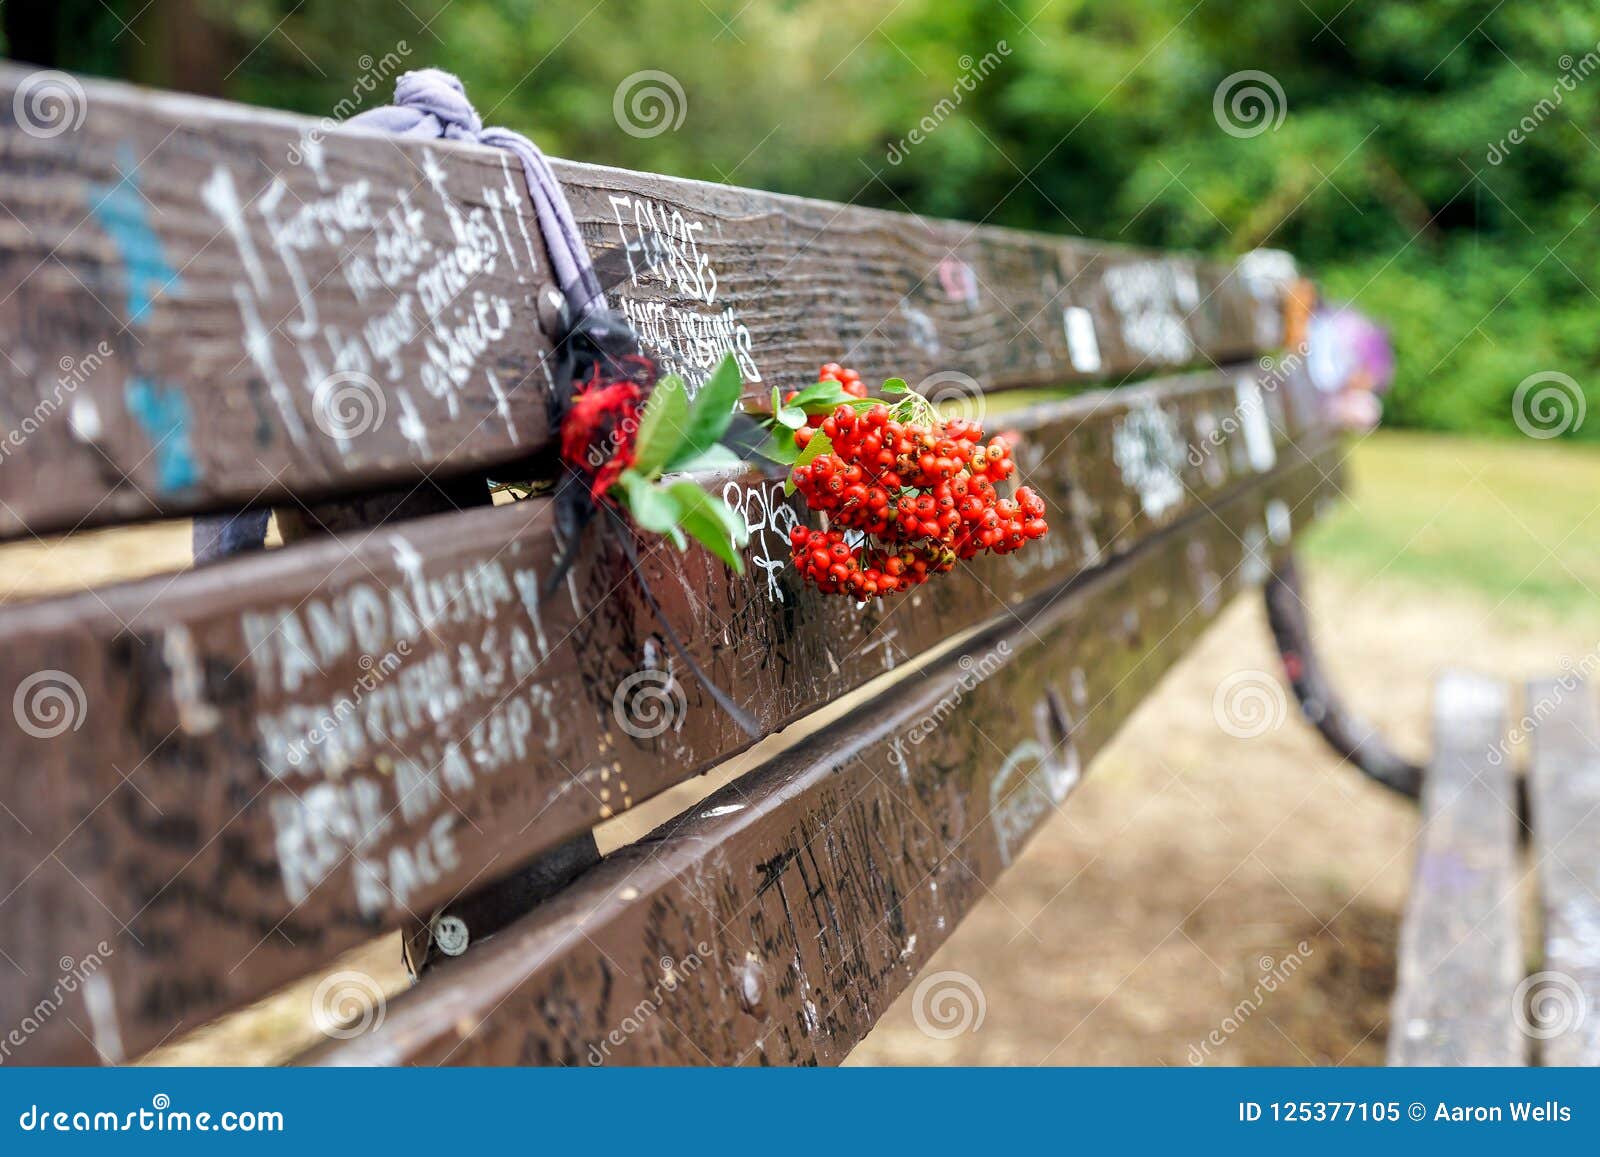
[(216, 781), (1470, 990)]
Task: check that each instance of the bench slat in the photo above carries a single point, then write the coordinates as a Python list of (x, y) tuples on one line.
[(186, 275), (775, 921), (1460, 954), (1564, 806), (232, 879)]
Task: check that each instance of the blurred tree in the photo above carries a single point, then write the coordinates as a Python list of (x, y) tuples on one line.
[(1387, 160)]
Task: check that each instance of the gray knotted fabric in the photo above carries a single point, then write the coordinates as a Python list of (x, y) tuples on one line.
[(432, 103)]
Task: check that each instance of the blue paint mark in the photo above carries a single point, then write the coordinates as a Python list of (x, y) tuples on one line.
[(163, 412), (120, 209)]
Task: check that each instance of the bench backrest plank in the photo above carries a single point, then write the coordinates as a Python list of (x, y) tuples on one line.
[(210, 305), (1460, 946), (775, 921), (1564, 813)]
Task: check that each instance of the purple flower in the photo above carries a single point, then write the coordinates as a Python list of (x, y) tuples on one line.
[(1347, 350)]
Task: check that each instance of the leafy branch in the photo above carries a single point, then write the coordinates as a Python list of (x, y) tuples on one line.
[(679, 435), (794, 441)]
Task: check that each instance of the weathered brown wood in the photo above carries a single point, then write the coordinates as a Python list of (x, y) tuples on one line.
[(428, 495), (775, 921), (1562, 1010), (206, 305), (252, 837), (1460, 954)]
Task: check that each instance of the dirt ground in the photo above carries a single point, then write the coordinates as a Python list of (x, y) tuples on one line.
[(1199, 884)]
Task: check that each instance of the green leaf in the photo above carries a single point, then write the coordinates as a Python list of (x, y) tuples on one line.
[(652, 507), (694, 498), (780, 448), (663, 428), (711, 411), (716, 457), (818, 445), (710, 521), (895, 386), (709, 536), (790, 416), (822, 398)]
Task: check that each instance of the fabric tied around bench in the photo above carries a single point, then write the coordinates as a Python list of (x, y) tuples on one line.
[(431, 103)]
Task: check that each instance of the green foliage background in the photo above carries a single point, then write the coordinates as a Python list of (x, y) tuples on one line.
[(1097, 121)]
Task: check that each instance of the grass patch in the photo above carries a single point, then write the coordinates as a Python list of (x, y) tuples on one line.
[(1514, 521)]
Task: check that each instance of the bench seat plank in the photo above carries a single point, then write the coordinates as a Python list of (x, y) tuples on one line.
[(262, 776), (1460, 952), (775, 921), (208, 305), (1564, 805)]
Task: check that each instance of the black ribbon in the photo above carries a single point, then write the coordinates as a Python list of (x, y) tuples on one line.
[(602, 342)]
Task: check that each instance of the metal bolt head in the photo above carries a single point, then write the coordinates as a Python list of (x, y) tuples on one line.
[(750, 976), (83, 419), (552, 307), (450, 934)]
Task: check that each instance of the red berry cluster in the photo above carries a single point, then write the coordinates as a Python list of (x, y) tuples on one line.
[(921, 491)]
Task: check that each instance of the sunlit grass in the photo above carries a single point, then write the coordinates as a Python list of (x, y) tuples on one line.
[(1515, 521)]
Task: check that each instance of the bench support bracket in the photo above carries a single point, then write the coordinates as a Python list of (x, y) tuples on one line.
[(1351, 736)]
